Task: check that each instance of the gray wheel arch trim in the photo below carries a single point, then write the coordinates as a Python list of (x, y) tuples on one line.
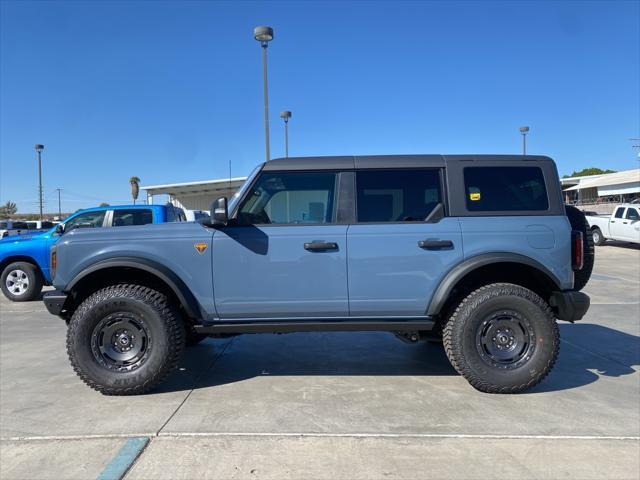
[(467, 266), (179, 288)]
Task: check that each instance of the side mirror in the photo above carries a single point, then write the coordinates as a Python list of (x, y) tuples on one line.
[(59, 229), (219, 212)]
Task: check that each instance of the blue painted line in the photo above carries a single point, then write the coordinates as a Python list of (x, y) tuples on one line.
[(123, 460)]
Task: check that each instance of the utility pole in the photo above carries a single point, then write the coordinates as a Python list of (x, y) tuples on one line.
[(59, 204), (39, 149)]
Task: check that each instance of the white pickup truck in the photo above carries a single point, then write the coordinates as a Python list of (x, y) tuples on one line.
[(623, 224)]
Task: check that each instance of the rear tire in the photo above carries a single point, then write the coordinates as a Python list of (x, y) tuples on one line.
[(125, 339), (21, 282), (579, 222), (598, 238), (502, 338)]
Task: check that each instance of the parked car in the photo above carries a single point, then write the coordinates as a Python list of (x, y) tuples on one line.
[(40, 224), (479, 250), (25, 261), (196, 215), (12, 227), (623, 224)]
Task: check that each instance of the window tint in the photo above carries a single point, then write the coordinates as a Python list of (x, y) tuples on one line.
[(397, 195), (619, 212), (632, 214), (290, 198), (86, 220), (124, 218), (494, 189), (3, 224), (20, 226)]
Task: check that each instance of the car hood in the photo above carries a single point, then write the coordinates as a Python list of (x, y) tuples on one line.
[(27, 237)]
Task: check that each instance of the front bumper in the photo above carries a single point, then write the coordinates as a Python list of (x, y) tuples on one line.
[(570, 305), (54, 301)]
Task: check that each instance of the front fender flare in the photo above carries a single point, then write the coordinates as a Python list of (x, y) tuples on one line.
[(175, 283)]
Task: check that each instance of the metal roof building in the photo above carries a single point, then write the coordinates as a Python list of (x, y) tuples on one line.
[(195, 195), (625, 185)]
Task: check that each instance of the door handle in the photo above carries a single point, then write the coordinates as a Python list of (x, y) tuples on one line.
[(315, 246), (435, 244), (625, 222), (613, 221)]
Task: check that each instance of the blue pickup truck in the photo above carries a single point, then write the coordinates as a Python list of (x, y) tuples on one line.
[(477, 250), (24, 259)]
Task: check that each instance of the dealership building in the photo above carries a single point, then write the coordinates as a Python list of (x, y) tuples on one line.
[(605, 189), (195, 195)]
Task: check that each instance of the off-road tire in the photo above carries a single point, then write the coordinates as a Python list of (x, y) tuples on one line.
[(34, 277), (165, 342), (463, 351), (579, 222), (598, 237), (191, 336)]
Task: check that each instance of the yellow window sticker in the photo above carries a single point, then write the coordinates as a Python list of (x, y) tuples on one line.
[(474, 194)]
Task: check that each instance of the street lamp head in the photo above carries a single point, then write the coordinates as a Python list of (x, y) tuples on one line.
[(263, 34), (524, 130), (39, 147), (285, 115)]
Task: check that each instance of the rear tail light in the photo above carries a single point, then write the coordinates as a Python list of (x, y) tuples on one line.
[(577, 250)]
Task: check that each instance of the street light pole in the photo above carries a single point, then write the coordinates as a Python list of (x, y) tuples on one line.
[(286, 115), (523, 131), (264, 35), (39, 149)]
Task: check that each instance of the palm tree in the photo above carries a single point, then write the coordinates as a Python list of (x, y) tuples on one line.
[(8, 208), (135, 189)]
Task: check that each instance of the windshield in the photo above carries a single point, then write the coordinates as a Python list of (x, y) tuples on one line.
[(233, 201)]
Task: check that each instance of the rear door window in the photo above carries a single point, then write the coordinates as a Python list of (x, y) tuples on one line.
[(632, 214), (397, 195), (138, 216), (498, 189)]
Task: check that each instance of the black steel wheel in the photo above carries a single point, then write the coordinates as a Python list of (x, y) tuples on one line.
[(125, 339), (121, 341), (502, 338), (505, 339)]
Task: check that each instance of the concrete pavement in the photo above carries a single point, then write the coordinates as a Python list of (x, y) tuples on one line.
[(334, 405)]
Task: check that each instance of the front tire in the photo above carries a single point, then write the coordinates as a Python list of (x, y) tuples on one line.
[(598, 238), (21, 282), (502, 338), (125, 339)]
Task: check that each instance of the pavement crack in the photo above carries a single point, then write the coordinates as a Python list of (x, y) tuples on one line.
[(195, 384)]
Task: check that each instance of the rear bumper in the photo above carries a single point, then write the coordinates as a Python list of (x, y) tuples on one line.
[(54, 301), (570, 305)]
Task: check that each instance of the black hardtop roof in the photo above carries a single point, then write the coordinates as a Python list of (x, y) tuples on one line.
[(387, 161)]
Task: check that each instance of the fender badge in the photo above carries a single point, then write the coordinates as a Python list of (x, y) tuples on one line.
[(201, 247)]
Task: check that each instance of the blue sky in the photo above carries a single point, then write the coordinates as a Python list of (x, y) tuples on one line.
[(171, 91)]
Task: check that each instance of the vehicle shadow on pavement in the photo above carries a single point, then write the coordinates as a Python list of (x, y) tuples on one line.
[(304, 354), (587, 353)]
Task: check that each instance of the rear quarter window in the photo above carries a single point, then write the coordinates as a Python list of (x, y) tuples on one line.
[(124, 218), (500, 189)]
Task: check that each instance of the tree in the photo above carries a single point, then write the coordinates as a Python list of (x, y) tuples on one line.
[(135, 189), (8, 208), (588, 171), (104, 204)]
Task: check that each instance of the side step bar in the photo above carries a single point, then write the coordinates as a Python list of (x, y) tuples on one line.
[(283, 326)]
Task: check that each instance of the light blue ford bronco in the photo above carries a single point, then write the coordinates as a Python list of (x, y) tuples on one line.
[(477, 251)]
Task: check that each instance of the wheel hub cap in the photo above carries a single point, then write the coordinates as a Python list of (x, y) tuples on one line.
[(17, 282)]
